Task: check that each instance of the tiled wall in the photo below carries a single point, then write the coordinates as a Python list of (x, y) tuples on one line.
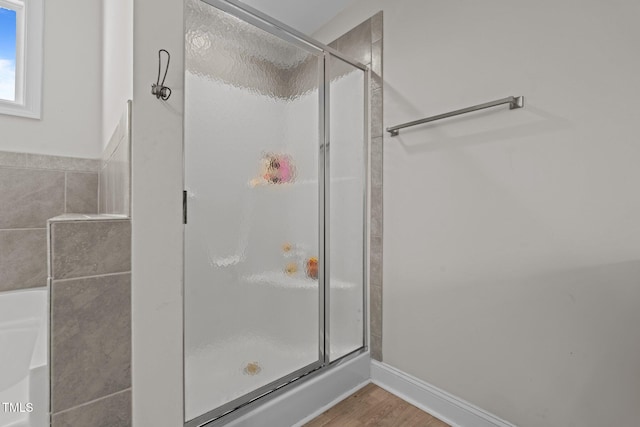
[(115, 172), (364, 43), (90, 339), (34, 188)]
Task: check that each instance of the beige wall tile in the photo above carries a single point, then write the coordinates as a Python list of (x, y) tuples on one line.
[(15, 160), (376, 212), (82, 193), (30, 197), (376, 57), (375, 276), (90, 339), (376, 161), (23, 259), (357, 43), (39, 161), (376, 113), (376, 26), (376, 310), (111, 411), (375, 346), (88, 248)]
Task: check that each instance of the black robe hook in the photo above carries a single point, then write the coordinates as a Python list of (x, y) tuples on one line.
[(158, 88)]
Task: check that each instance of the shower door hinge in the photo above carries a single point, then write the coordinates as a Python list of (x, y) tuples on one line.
[(184, 207)]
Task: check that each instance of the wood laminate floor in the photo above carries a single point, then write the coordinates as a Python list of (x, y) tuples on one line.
[(375, 407)]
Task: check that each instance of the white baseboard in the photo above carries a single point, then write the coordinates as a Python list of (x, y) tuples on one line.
[(310, 399), (450, 409)]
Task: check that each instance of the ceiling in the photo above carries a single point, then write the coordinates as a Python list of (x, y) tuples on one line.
[(306, 16)]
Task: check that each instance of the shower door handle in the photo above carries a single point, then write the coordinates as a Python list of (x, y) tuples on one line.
[(184, 207)]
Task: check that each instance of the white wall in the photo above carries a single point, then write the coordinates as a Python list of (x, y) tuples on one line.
[(511, 238), (117, 63), (306, 16), (71, 99), (156, 210)]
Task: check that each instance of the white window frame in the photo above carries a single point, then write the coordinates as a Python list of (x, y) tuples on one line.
[(29, 54)]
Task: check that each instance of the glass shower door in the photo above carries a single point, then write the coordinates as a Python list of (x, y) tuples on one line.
[(347, 188), (253, 175)]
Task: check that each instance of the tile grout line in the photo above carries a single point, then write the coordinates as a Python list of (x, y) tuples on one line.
[(98, 192), (110, 218), (30, 288), (65, 191), (32, 168), (95, 276), (91, 401), (23, 229)]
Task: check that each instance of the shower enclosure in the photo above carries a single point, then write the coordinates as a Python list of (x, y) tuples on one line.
[(276, 182)]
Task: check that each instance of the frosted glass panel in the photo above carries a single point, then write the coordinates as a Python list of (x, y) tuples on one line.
[(252, 238), (347, 189)]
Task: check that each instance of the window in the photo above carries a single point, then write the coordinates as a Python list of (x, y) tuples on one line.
[(21, 23), (7, 54)]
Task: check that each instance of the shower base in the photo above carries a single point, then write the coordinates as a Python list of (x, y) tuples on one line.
[(217, 374)]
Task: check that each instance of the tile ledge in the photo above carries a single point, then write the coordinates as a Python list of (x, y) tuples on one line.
[(88, 217)]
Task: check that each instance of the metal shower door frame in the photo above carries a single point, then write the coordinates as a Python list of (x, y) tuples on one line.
[(239, 406)]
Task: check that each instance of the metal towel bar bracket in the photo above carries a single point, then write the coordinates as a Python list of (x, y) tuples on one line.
[(513, 101)]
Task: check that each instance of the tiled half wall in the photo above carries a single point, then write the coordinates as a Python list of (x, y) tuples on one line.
[(90, 331), (89, 276), (364, 43), (34, 188)]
